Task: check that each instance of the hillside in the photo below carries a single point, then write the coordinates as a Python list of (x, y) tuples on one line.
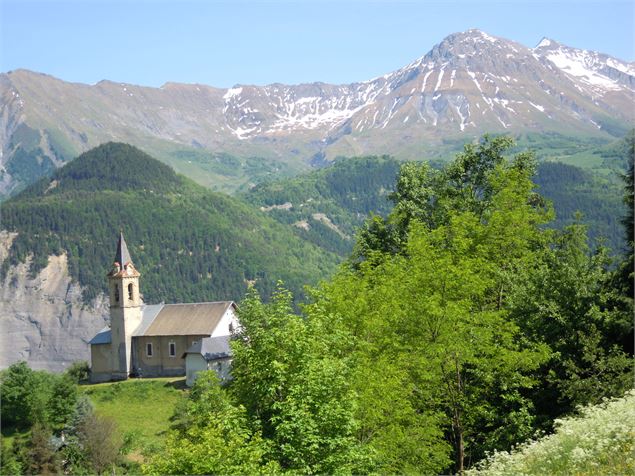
[(598, 198), (327, 206), (467, 84), (189, 244)]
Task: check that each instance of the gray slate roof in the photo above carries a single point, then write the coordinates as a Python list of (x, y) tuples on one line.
[(211, 348), (148, 314), (122, 256), (102, 337)]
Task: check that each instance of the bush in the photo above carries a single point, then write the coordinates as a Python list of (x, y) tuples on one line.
[(36, 396), (78, 371), (599, 441)]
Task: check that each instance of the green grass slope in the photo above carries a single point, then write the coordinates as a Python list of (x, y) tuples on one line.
[(190, 244), (141, 408)]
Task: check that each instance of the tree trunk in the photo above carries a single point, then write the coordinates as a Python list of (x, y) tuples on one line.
[(458, 426), (461, 451)]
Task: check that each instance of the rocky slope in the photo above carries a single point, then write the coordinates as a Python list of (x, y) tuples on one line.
[(468, 84), (42, 317)]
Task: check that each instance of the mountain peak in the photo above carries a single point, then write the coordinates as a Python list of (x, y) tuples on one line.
[(473, 35), (110, 166), (547, 44)]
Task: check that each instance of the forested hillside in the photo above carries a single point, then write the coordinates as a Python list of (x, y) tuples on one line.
[(327, 206), (190, 244), (597, 197)]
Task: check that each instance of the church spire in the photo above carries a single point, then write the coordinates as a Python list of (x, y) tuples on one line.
[(122, 264), (123, 255)]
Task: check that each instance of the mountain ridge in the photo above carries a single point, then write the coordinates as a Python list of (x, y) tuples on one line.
[(467, 84)]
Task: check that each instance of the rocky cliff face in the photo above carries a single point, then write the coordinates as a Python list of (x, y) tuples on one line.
[(42, 318)]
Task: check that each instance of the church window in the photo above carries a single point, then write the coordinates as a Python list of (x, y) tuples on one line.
[(149, 349), (116, 293), (172, 349), (130, 290)]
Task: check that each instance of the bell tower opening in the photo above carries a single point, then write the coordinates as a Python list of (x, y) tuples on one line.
[(130, 292)]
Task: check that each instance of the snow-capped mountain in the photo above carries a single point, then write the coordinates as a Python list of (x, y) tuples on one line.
[(468, 84)]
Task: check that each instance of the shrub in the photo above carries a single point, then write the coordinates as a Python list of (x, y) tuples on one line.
[(79, 371), (599, 441)]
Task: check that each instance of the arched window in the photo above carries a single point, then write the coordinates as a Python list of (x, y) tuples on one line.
[(116, 293), (130, 288)]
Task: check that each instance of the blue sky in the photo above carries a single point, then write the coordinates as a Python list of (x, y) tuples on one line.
[(261, 42)]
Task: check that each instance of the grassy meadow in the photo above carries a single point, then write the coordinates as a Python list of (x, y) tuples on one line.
[(141, 408)]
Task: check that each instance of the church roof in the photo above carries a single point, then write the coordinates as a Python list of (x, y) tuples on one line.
[(211, 348), (182, 319), (102, 337), (123, 255), (148, 314)]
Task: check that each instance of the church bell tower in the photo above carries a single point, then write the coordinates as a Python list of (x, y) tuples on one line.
[(125, 309)]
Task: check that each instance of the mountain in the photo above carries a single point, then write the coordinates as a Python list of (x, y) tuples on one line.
[(468, 84), (190, 244)]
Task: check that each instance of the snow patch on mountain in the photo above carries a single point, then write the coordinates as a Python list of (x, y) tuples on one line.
[(581, 66)]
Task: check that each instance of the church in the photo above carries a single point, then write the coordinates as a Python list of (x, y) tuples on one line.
[(159, 340)]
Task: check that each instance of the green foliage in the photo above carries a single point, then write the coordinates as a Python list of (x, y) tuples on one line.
[(429, 296), (565, 301), (79, 371), (626, 273), (64, 431), (469, 184), (294, 381), (212, 436), (599, 441), (9, 463), (434, 313), (217, 243), (62, 401), (31, 396)]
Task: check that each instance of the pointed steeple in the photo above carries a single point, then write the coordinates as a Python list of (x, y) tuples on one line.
[(123, 255)]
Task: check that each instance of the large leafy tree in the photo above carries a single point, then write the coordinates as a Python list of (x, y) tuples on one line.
[(30, 396), (428, 297), (292, 375), (566, 301)]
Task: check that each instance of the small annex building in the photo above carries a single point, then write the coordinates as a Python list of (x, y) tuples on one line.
[(158, 340)]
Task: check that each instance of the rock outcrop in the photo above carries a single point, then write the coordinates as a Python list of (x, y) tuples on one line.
[(42, 318)]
